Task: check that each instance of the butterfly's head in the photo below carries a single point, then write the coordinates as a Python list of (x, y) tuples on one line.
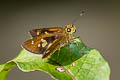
[(70, 29)]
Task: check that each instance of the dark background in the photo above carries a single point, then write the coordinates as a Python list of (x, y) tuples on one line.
[(98, 28)]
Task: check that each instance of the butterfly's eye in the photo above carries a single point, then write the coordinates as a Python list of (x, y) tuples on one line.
[(68, 30)]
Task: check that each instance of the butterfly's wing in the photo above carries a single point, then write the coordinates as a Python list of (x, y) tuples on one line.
[(43, 31), (40, 44), (35, 45)]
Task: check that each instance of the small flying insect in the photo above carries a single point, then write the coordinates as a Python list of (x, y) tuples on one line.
[(46, 41)]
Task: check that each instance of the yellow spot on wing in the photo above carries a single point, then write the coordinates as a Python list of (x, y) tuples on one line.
[(38, 33), (32, 42), (39, 45), (44, 42), (46, 32)]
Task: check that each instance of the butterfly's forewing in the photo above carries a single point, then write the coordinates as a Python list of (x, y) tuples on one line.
[(43, 31), (40, 43), (35, 45)]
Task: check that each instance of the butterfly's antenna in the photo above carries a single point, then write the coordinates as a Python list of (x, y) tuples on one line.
[(81, 14)]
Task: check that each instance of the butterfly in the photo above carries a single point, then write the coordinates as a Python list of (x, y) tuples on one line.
[(46, 41)]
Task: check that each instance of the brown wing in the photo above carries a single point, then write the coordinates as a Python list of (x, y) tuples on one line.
[(42, 31), (40, 43)]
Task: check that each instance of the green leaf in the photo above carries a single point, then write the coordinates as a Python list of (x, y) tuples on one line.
[(74, 62), (5, 69)]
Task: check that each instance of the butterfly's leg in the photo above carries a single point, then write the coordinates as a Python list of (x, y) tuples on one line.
[(68, 46), (66, 42), (78, 46), (59, 47), (58, 53)]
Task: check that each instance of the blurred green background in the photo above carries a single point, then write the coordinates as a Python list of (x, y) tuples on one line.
[(98, 28)]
